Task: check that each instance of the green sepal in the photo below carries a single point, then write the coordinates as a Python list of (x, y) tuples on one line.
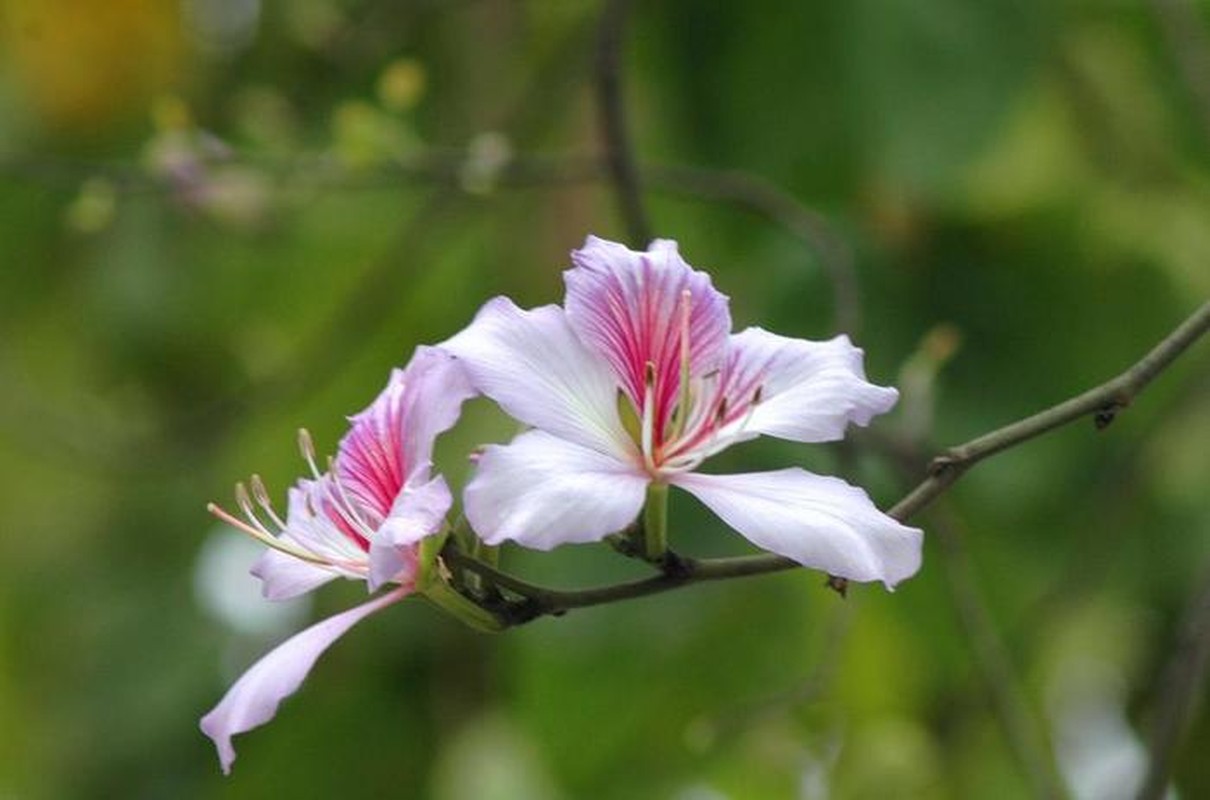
[(629, 417)]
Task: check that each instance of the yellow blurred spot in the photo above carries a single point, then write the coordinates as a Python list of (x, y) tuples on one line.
[(401, 84), (941, 342), (169, 113), (94, 208), (83, 64)]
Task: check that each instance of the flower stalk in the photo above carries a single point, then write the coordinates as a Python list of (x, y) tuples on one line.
[(655, 522)]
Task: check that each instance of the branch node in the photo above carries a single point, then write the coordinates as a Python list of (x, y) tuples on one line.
[(676, 567), (943, 464), (838, 585)]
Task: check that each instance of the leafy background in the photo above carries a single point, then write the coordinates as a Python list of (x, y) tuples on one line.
[(214, 230)]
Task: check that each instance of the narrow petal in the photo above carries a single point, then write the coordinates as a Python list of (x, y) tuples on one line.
[(532, 364), (820, 522), (419, 511), (541, 491), (809, 391), (284, 576), (627, 306), (254, 698)]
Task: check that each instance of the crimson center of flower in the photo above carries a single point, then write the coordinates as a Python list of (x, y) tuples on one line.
[(685, 418)]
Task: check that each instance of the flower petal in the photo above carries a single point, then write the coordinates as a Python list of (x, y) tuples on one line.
[(532, 364), (394, 435), (253, 699), (820, 522), (809, 391), (284, 576), (542, 491), (419, 511), (627, 307)]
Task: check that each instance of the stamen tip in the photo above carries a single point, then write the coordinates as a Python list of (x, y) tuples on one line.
[(305, 443)]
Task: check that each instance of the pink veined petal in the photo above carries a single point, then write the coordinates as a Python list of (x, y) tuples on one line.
[(820, 522), (532, 364), (810, 391), (627, 307), (542, 491), (419, 511), (284, 576), (253, 699), (394, 434)]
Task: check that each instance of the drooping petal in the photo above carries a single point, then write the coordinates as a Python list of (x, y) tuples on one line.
[(542, 491), (394, 435), (284, 576), (820, 522), (532, 364), (809, 391), (253, 699), (628, 307), (419, 511)]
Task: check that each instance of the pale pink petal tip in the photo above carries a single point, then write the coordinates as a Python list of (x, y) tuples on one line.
[(253, 699), (820, 522)]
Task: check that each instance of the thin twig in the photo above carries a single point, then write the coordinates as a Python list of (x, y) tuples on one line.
[(1180, 689), (741, 189), (619, 152)]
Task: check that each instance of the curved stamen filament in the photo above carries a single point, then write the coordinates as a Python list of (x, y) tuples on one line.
[(346, 507), (681, 415), (264, 537)]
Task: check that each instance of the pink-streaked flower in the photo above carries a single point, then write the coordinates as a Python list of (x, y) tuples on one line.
[(363, 518), (637, 379)]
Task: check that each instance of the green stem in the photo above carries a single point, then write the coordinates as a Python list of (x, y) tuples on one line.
[(448, 599), (655, 522)]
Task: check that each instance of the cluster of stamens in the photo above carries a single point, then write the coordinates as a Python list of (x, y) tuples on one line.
[(333, 534)]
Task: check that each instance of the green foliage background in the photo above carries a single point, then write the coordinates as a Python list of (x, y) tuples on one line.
[(206, 242)]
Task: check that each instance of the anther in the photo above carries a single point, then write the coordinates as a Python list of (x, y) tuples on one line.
[(242, 499), (721, 414), (756, 396), (306, 445), (262, 498), (649, 373)]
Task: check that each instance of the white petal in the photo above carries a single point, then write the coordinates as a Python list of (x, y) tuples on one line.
[(542, 491), (820, 522), (809, 390), (419, 511), (532, 364), (254, 698), (284, 576)]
